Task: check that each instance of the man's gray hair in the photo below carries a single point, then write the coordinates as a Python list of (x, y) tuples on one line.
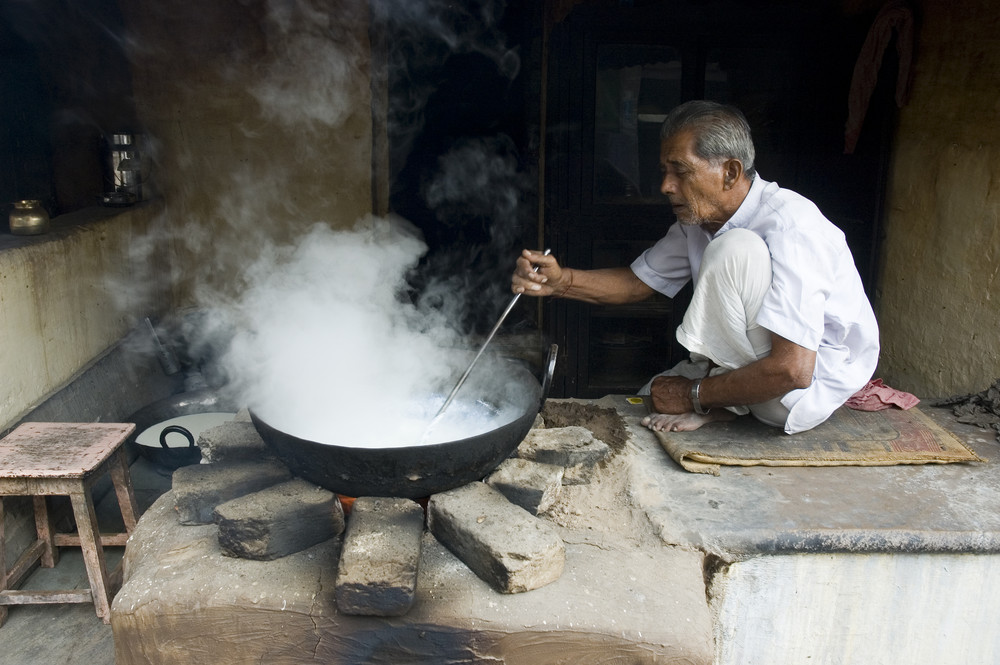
[(721, 132)]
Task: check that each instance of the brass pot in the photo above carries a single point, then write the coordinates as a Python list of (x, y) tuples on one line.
[(28, 218)]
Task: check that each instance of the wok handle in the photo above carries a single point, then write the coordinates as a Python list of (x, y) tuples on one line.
[(550, 370), (177, 429)]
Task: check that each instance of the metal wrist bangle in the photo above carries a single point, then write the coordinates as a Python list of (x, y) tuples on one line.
[(696, 398)]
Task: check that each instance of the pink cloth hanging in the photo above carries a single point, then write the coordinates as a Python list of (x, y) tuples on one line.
[(895, 15)]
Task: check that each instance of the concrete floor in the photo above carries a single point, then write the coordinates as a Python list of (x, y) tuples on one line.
[(72, 634)]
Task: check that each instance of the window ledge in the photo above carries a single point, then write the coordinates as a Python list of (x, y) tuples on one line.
[(64, 226)]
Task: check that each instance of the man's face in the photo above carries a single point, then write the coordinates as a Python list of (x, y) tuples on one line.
[(694, 186)]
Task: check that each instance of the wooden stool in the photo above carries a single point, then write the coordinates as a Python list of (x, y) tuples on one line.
[(44, 459)]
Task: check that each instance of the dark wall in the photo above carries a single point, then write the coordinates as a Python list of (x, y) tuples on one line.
[(463, 128), (64, 84)]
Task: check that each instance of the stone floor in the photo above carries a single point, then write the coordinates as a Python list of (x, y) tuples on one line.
[(72, 634)]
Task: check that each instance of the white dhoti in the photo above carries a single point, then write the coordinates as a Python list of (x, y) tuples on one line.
[(720, 325)]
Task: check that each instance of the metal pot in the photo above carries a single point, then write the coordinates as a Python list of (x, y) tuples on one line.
[(183, 404), (411, 471), (28, 218)]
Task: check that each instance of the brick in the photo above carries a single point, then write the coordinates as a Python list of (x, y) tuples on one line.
[(563, 446), (199, 488), (532, 485), (377, 573), (278, 521), (234, 440), (503, 544)]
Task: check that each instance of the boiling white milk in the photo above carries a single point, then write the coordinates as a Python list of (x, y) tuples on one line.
[(404, 426)]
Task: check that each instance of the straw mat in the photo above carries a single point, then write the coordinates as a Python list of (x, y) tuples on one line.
[(848, 438)]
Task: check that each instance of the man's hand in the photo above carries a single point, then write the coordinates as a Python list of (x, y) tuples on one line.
[(604, 286), (671, 394), (788, 367), (546, 282)]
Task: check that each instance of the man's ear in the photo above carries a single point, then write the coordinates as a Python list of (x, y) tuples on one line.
[(732, 171)]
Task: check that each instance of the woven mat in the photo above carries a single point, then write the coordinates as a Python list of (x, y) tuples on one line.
[(848, 438)]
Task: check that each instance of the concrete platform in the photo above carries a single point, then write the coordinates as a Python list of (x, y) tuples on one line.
[(765, 510), (839, 565)]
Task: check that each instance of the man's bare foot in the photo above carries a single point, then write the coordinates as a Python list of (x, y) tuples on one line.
[(684, 422)]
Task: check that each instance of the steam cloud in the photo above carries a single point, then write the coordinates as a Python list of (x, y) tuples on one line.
[(326, 338), (323, 332)]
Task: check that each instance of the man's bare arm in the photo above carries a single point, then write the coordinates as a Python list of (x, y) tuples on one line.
[(610, 286), (788, 367)]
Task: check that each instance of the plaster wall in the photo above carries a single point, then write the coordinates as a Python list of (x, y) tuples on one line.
[(67, 296), (938, 307), (260, 122), (258, 125)]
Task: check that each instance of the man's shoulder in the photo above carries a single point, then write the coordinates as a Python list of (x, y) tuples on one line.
[(786, 202), (785, 210)]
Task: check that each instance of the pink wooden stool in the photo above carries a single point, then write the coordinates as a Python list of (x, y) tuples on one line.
[(43, 459)]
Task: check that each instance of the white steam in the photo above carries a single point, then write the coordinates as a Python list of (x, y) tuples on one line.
[(305, 81), (322, 338), (328, 350)]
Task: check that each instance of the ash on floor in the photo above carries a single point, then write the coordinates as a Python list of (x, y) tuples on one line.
[(981, 409)]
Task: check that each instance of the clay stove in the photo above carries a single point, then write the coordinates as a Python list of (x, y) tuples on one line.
[(185, 600)]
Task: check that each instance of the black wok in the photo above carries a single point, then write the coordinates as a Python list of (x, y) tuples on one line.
[(412, 471)]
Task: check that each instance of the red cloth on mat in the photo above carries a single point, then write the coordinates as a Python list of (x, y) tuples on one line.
[(877, 396)]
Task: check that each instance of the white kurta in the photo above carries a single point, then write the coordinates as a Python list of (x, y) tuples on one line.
[(815, 299)]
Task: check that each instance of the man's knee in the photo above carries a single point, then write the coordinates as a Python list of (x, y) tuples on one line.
[(739, 245), (741, 260)]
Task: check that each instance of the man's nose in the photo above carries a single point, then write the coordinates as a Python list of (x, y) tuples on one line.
[(667, 185)]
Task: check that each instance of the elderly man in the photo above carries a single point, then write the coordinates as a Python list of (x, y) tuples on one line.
[(779, 325)]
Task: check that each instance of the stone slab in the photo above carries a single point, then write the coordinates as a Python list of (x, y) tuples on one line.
[(183, 601), (234, 440), (199, 488), (279, 520), (503, 544), (563, 446), (530, 485), (377, 574)]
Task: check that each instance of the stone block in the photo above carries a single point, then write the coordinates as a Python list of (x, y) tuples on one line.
[(532, 485), (377, 574), (199, 488), (278, 521), (235, 440), (505, 545), (563, 446)]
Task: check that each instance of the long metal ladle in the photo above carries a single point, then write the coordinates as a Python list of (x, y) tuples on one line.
[(468, 370)]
